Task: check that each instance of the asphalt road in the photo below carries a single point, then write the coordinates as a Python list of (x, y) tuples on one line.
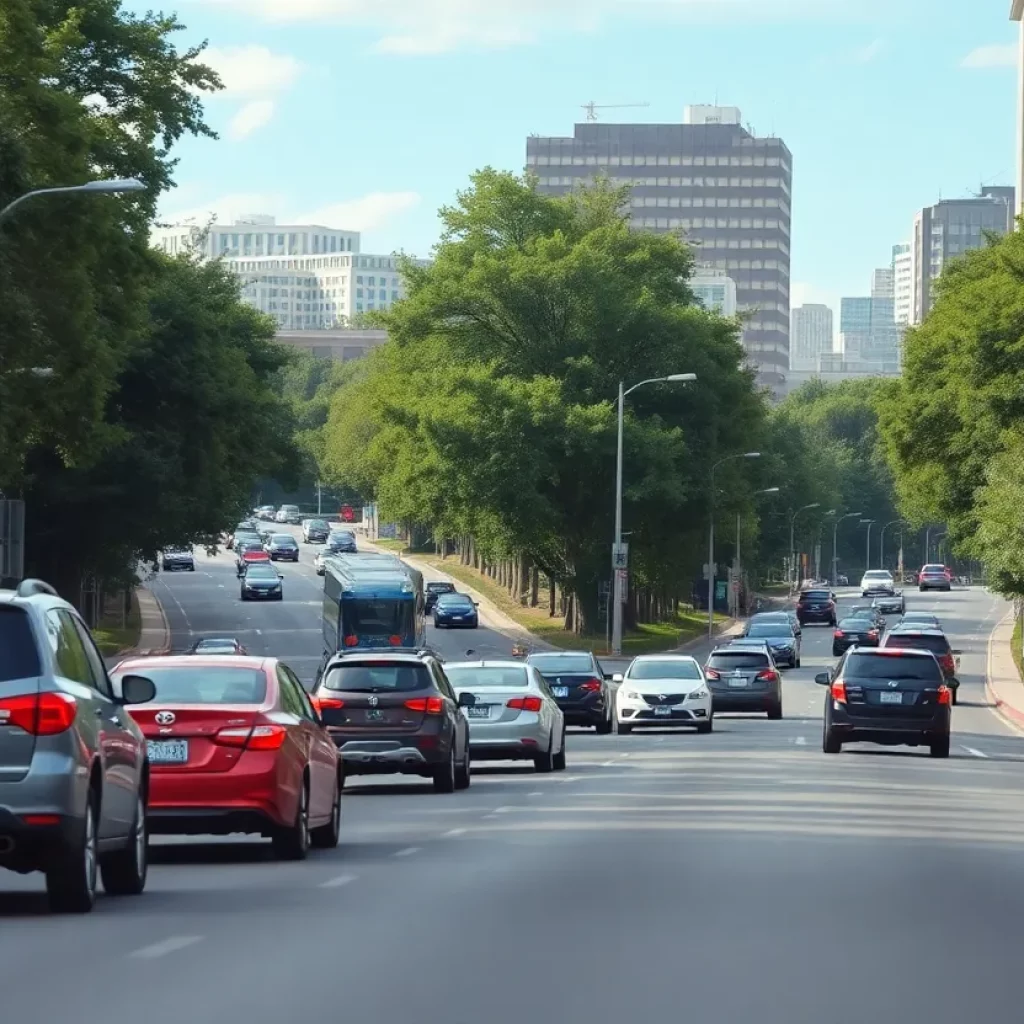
[(732, 878)]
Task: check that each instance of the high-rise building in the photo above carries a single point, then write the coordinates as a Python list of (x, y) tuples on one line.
[(946, 230), (307, 277), (883, 285), (810, 335), (867, 330), (725, 189), (903, 283), (714, 289)]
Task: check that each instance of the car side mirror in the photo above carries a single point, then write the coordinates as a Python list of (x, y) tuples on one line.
[(823, 679), (476, 604), (137, 690), (617, 677), (280, 575), (467, 700), (470, 653)]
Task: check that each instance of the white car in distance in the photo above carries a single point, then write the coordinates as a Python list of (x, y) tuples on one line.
[(663, 690)]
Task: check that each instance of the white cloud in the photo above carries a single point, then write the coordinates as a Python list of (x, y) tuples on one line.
[(252, 71), (251, 118), (995, 56), (363, 214)]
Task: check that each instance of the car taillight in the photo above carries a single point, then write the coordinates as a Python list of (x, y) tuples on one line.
[(712, 673), (872, 632), (591, 685), (429, 705), (946, 661), (769, 675), (839, 691), (395, 641), (258, 737), (525, 703), (327, 703), (838, 632), (351, 641), (41, 714), (945, 695)]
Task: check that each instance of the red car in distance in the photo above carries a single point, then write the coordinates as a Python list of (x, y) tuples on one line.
[(234, 745), (254, 556)]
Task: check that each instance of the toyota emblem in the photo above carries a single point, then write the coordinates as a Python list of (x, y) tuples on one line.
[(165, 718), (893, 684), (373, 702)]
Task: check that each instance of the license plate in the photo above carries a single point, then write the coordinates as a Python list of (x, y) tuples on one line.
[(738, 683), (478, 712), (168, 751), (890, 698), (662, 712), (456, 618), (375, 716), (560, 691)]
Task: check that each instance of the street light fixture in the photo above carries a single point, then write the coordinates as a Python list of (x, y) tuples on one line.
[(108, 186), (711, 536), (835, 538), (881, 541), (739, 525), (867, 557), (792, 537), (618, 555)]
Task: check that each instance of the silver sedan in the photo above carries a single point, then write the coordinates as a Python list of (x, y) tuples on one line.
[(511, 711)]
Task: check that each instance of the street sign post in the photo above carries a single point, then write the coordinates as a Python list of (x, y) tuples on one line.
[(620, 556)]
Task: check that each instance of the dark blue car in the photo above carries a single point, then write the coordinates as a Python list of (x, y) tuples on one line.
[(453, 610)]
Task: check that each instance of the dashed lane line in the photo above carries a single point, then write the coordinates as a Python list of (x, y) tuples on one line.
[(408, 851), (337, 883), (171, 945)]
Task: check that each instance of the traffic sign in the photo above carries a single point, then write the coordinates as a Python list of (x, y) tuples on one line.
[(620, 556)]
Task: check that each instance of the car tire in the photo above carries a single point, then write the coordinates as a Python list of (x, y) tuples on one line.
[(292, 841), (953, 695), (605, 727), (835, 653), (444, 776), (623, 729), (796, 663), (546, 762), (326, 836), (830, 742), (775, 711), (940, 747), (124, 871), (705, 727), (71, 879), (560, 756), (464, 772)]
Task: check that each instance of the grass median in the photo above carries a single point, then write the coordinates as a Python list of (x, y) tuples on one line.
[(1015, 646), (114, 633)]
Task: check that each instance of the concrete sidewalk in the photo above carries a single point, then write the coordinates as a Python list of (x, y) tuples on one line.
[(154, 634), (1003, 684)]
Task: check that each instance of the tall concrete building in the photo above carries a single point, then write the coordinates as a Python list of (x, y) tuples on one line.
[(883, 285), (903, 283), (811, 328), (715, 290), (712, 180), (948, 229)]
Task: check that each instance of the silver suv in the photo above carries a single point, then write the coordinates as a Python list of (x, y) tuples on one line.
[(73, 767)]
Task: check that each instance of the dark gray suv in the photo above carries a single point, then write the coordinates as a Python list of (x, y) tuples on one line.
[(73, 767)]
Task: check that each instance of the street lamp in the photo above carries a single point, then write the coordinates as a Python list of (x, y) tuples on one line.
[(739, 526), (1017, 14), (867, 557), (617, 553), (105, 187), (881, 542), (711, 536), (835, 538), (792, 537)]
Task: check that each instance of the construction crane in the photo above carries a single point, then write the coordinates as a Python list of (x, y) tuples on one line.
[(592, 108)]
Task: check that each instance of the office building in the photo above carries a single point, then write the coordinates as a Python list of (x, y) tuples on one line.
[(306, 276), (715, 290), (710, 179), (811, 327), (340, 344), (946, 230), (902, 281), (867, 331), (882, 284)]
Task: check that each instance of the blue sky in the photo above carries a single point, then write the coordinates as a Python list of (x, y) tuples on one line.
[(370, 114)]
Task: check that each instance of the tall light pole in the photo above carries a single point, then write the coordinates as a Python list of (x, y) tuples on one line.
[(739, 527), (618, 554), (867, 557), (112, 186), (835, 538), (711, 536), (1017, 14), (881, 542), (792, 537)]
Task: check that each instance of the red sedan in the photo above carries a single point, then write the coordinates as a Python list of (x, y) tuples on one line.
[(235, 746)]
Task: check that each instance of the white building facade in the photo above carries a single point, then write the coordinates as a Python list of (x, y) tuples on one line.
[(903, 283), (811, 328), (715, 290)]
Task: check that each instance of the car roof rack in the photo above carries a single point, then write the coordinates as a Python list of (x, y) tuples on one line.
[(30, 588)]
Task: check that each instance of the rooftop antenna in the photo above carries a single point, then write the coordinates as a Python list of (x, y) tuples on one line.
[(592, 108)]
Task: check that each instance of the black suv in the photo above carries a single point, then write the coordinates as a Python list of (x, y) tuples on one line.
[(926, 639), (580, 687), (816, 606), (434, 591), (888, 695), (394, 711)]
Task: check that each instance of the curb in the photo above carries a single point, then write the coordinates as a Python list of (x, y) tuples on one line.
[(1007, 712), (165, 629)]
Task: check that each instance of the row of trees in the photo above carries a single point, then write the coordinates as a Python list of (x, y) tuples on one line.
[(162, 398)]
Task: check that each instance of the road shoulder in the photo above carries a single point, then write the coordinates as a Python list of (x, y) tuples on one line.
[(1003, 685)]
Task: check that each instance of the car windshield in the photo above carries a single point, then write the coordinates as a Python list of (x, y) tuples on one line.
[(476, 676), (378, 677), (205, 684), (562, 664), (856, 624), (729, 660), (769, 629), (316, 524), (454, 601), (261, 572), (19, 658), (934, 568), (887, 666), (918, 641), (920, 617), (283, 540), (664, 668), (440, 588), (816, 595)]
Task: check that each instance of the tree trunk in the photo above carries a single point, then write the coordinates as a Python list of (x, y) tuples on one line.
[(534, 587), (523, 578), (551, 598)]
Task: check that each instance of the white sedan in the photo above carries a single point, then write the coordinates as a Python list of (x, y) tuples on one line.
[(663, 690)]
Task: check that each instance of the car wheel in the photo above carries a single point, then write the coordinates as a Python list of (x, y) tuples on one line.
[(546, 762), (292, 842), (956, 690), (560, 756), (940, 747), (444, 776), (708, 726), (326, 836), (623, 729), (71, 879), (464, 773), (124, 871), (775, 711), (796, 664), (830, 742), (604, 728), (835, 653)]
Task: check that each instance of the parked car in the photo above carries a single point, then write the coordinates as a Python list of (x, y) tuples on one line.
[(73, 764), (235, 745), (744, 677), (886, 696), (512, 713), (173, 559), (283, 547), (919, 637), (663, 690), (934, 577), (456, 611), (433, 591), (395, 711), (579, 685), (855, 632), (816, 606)]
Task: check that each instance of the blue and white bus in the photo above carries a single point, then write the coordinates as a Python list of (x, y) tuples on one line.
[(372, 604)]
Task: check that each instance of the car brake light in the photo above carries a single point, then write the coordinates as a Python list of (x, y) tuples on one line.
[(525, 703), (430, 705), (769, 676), (258, 737), (839, 691), (712, 673), (838, 632), (591, 685), (40, 714), (351, 641), (945, 695), (395, 641), (327, 703), (872, 632)]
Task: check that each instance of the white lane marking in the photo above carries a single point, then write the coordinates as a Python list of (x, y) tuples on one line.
[(337, 883), (220, 586), (975, 753), (258, 632), (573, 778), (801, 741), (454, 832), (408, 851), (503, 810), (607, 764), (171, 945), (536, 792)]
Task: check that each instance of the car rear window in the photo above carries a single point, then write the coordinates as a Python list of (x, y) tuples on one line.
[(378, 677), (769, 630), (856, 624), (920, 641), (934, 568), (738, 659), (285, 540), (467, 675), (561, 664), (816, 595), (664, 668), (19, 658), (890, 666), (441, 588), (204, 684)]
